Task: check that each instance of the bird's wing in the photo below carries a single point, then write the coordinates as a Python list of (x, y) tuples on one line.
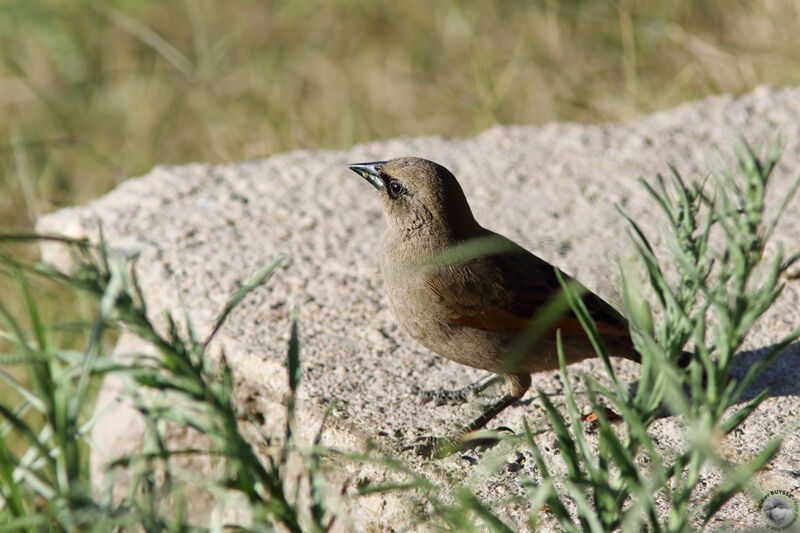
[(503, 292)]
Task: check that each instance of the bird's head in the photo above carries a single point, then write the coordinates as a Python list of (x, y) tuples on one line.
[(419, 196)]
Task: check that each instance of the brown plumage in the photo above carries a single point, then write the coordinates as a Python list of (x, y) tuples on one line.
[(471, 311)]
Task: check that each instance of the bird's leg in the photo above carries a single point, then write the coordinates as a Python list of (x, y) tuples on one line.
[(438, 447), (458, 396), (491, 412), (516, 387)]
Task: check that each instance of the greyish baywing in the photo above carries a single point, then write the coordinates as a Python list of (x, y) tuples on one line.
[(504, 291)]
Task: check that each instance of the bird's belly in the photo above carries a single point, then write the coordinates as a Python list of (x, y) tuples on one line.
[(420, 314)]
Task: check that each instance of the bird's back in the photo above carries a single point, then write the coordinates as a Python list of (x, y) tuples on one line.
[(481, 305)]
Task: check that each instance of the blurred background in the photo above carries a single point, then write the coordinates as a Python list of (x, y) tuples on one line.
[(94, 92)]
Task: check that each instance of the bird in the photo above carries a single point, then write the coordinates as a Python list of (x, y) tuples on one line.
[(472, 308)]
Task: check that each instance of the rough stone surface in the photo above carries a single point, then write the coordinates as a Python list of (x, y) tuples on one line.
[(201, 230)]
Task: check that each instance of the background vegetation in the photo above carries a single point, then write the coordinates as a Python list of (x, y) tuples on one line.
[(95, 91)]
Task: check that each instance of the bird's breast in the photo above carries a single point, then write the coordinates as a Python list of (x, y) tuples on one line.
[(416, 307), (420, 312)]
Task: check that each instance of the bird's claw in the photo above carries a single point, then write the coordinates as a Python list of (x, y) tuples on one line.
[(434, 447), (440, 447), (445, 397)]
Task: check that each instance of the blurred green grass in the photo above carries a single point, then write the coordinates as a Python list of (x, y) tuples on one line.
[(93, 92)]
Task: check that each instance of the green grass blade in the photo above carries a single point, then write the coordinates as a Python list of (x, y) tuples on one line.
[(33, 311), (11, 493), (565, 442), (257, 279), (735, 481), (493, 523), (579, 441), (293, 355), (27, 434), (556, 505)]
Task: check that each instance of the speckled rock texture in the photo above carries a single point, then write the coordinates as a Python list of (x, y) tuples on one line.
[(201, 230)]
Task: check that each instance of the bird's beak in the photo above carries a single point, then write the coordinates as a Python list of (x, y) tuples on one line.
[(370, 172)]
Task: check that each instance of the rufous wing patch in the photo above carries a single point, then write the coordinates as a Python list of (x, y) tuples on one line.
[(516, 315), (491, 320)]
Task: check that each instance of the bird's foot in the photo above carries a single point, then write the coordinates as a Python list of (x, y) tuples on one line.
[(447, 397), (432, 447), (442, 396), (440, 447)]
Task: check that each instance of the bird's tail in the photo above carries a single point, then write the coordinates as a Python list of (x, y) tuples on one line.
[(632, 355)]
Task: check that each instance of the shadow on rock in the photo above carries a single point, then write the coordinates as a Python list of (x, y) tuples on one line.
[(781, 377)]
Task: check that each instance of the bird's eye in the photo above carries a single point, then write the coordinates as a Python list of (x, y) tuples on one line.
[(395, 188)]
